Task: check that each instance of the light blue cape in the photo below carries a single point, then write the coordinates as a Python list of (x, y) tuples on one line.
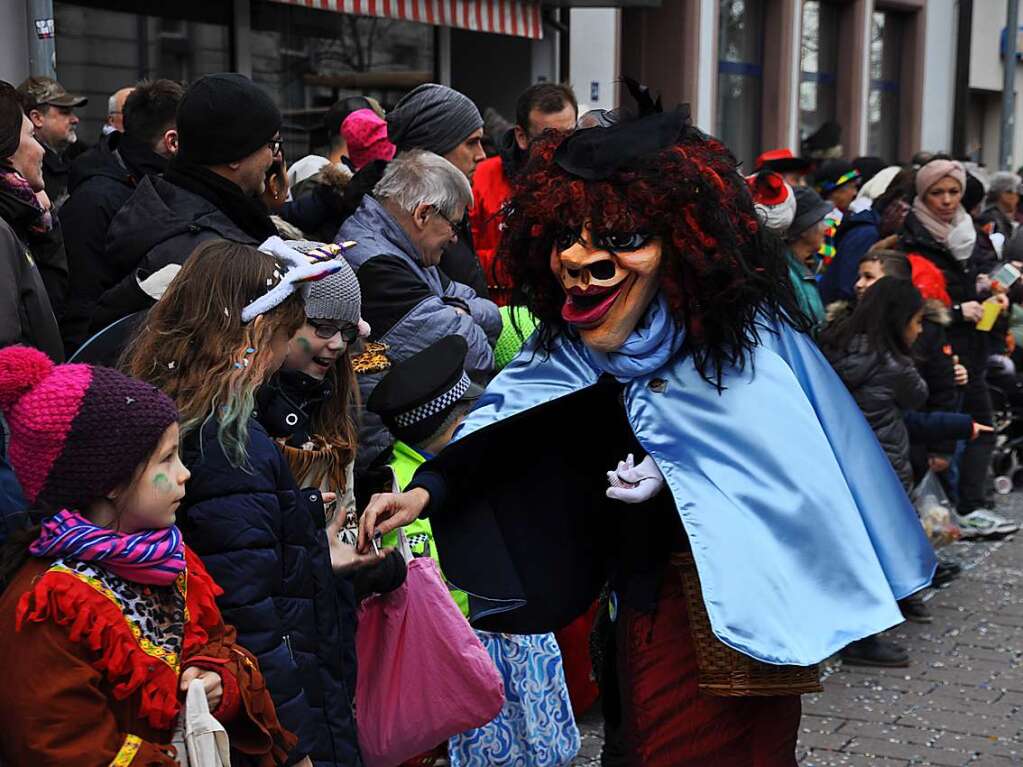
[(801, 531)]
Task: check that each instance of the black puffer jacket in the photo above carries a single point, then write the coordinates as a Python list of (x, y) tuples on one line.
[(883, 386), (161, 224), (961, 282)]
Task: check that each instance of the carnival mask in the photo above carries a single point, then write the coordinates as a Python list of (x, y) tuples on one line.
[(609, 281)]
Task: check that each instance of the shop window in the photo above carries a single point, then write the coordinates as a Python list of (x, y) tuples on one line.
[(740, 77), (100, 51), (305, 59), (308, 59), (883, 107), (818, 66)]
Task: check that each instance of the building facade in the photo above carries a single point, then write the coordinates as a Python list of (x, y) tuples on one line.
[(760, 74), (765, 74)]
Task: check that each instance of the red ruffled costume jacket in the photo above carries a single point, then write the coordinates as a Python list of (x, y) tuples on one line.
[(90, 670)]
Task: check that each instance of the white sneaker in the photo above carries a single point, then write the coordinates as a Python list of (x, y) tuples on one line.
[(984, 523)]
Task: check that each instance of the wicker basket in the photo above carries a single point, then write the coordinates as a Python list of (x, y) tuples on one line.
[(724, 671)]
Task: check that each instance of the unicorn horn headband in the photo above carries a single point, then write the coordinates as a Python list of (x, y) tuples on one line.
[(300, 272)]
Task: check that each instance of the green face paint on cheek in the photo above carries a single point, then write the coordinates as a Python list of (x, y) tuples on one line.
[(304, 345), (161, 483)]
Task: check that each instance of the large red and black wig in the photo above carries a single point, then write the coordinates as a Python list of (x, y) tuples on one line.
[(719, 268)]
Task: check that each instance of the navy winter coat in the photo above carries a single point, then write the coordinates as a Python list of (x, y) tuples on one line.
[(263, 541)]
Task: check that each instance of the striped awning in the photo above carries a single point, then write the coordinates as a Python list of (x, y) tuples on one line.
[(506, 17)]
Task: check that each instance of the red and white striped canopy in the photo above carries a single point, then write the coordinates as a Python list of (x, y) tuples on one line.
[(507, 17)]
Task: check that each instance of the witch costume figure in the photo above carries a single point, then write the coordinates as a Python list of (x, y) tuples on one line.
[(671, 430)]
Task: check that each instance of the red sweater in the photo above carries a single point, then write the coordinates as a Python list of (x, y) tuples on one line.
[(491, 190)]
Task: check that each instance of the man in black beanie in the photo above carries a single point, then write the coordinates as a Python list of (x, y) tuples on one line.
[(228, 133), (443, 121)]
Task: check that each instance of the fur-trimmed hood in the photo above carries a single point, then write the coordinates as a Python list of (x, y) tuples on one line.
[(838, 311), (331, 175)]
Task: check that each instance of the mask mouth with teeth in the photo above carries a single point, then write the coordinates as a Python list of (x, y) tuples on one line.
[(607, 220), (609, 281)]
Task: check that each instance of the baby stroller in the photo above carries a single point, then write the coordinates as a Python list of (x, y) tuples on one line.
[(1007, 459)]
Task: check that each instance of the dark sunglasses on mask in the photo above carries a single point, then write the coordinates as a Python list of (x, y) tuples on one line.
[(325, 330)]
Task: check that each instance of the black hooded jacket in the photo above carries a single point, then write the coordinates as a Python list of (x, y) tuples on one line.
[(159, 226), (101, 182)]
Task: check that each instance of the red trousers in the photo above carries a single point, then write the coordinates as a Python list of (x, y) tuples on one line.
[(667, 722), (574, 643)]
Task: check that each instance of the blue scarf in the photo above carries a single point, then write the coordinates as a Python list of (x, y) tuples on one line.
[(655, 340)]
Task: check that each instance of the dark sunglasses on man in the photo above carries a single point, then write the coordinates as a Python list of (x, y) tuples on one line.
[(348, 331)]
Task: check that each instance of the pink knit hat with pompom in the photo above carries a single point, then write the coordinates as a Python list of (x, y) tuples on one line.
[(77, 431)]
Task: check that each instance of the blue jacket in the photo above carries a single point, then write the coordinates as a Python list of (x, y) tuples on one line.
[(853, 239), (409, 307), (262, 540), (937, 426)]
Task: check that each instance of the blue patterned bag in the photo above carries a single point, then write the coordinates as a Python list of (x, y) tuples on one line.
[(535, 727)]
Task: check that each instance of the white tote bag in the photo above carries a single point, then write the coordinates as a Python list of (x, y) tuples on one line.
[(200, 739)]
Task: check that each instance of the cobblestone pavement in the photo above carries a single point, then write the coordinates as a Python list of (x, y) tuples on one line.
[(959, 703)]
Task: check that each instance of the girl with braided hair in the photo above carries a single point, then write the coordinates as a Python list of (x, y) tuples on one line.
[(670, 429)]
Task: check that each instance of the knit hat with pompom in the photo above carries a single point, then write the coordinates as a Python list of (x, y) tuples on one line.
[(77, 431)]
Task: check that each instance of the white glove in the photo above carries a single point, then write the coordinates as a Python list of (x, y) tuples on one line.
[(634, 484)]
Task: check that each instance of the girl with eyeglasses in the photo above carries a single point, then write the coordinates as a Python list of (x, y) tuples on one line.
[(307, 407)]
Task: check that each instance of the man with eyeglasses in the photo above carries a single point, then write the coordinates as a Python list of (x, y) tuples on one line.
[(401, 233), (228, 136)]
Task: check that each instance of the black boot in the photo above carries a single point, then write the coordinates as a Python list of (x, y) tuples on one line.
[(874, 651), (914, 609), (946, 572)]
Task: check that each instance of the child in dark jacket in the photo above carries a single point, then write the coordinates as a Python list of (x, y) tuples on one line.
[(930, 446), (106, 617), (219, 333), (870, 351)]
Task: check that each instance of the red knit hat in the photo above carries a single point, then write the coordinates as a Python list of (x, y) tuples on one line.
[(365, 133), (77, 431)]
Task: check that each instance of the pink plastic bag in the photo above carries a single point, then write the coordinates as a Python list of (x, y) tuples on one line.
[(423, 676)]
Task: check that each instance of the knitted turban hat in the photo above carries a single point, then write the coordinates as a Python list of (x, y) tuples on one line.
[(77, 431)]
